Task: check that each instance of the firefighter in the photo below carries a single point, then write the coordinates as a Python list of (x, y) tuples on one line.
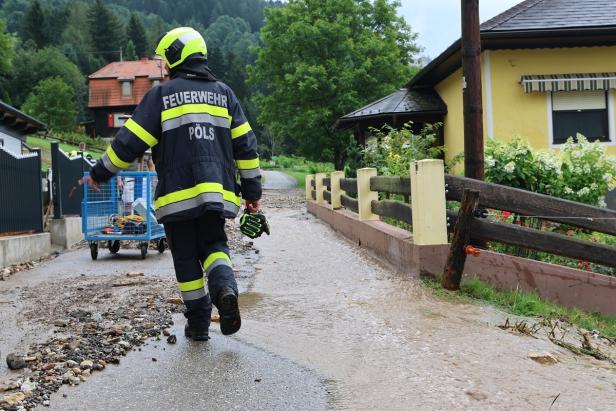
[(200, 140)]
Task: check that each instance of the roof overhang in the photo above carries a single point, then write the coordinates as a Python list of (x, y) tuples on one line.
[(19, 121), (451, 59), (346, 123)]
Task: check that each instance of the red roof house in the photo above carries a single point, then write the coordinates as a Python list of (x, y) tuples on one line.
[(116, 89)]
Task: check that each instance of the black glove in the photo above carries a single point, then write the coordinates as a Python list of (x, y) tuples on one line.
[(253, 225)]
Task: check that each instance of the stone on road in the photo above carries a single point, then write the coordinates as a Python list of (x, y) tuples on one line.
[(277, 180), (221, 374)]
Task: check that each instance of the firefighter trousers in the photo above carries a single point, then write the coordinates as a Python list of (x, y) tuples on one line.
[(202, 263)]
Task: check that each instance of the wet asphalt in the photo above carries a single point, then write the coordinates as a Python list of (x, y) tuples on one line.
[(277, 180), (326, 326), (221, 374)]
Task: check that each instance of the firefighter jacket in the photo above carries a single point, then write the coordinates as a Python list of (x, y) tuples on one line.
[(200, 139)]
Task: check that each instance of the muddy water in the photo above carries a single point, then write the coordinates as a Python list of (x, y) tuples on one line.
[(383, 342)]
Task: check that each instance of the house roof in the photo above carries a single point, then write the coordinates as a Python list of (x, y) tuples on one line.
[(400, 102), (128, 70), (551, 14), (533, 24), (20, 122)]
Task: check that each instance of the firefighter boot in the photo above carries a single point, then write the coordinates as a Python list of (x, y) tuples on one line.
[(196, 330), (229, 311)]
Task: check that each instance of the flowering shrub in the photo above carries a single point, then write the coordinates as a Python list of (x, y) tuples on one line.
[(393, 149), (580, 172)]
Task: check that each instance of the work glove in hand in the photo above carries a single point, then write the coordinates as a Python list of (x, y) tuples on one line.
[(253, 225)]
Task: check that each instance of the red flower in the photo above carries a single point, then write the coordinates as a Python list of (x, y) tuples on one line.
[(506, 214)]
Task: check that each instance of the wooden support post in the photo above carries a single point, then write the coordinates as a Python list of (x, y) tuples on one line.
[(364, 195), (319, 187), (454, 267), (337, 192), (428, 202), (472, 98), (309, 180)]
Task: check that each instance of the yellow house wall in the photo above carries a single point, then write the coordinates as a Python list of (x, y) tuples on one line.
[(514, 111)]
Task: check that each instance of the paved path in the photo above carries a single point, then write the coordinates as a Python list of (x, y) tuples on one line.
[(327, 326), (277, 180)]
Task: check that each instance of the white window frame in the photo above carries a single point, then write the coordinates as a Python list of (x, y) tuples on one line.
[(130, 88), (155, 83), (610, 115)]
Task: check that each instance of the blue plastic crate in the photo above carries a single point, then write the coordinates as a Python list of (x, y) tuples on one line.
[(122, 209)]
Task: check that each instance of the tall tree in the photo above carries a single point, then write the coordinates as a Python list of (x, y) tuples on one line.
[(130, 53), (135, 32), (7, 49), (52, 102), (322, 59), (35, 25), (157, 29), (75, 41), (33, 66), (105, 31)]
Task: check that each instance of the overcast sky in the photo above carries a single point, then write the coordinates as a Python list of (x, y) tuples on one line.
[(438, 21)]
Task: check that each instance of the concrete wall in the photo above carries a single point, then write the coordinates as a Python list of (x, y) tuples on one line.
[(19, 249), (566, 286), (66, 231)]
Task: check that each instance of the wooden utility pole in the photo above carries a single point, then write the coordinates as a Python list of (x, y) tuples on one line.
[(454, 268), (473, 106)]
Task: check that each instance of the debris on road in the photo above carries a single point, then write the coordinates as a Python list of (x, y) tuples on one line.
[(172, 339), (99, 324), (175, 301), (134, 274), (215, 318), (545, 359), (6, 272), (15, 361)]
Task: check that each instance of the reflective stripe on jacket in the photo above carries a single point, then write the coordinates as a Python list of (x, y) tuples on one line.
[(200, 140)]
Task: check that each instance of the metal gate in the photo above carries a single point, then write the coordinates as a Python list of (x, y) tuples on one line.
[(21, 192), (67, 170)]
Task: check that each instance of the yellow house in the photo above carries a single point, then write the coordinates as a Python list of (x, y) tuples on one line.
[(548, 72)]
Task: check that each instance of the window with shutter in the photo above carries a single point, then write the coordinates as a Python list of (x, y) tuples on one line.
[(583, 112)]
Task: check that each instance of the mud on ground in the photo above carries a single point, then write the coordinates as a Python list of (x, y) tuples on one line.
[(71, 327)]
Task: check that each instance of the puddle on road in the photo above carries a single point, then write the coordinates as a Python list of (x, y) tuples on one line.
[(384, 340)]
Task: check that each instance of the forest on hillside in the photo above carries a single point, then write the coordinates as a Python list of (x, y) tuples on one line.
[(296, 65), (51, 46)]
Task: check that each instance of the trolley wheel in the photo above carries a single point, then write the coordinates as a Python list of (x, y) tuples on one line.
[(161, 245), (94, 250), (113, 246), (144, 250)]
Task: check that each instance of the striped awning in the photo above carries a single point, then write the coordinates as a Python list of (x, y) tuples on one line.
[(569, 82)]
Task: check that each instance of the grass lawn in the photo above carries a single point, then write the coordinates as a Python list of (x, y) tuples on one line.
[(524, 304), (45, 145)]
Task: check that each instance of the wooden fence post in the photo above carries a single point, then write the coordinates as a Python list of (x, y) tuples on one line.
[(309, 179), (337, 192), (364, 195), (319, 187), (454, 268), (428, 202)]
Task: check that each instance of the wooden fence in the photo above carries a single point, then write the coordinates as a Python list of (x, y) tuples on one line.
[(420, 201)]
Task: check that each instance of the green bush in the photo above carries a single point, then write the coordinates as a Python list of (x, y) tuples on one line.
[(302, 165), (580, 172), (392, 150)]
